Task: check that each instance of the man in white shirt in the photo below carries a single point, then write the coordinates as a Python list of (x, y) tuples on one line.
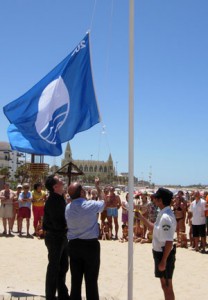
[(163, 234), (197, 208)]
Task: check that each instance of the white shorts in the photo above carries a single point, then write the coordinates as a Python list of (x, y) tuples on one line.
[(6, 211)]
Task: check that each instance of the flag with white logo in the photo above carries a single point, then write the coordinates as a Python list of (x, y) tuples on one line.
[(62, 104)]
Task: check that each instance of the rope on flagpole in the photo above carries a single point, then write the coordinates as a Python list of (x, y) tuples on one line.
[(106, 81), (103, 132), (93, 14)]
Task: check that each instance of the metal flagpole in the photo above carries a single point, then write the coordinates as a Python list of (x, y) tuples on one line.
[(131, 148)]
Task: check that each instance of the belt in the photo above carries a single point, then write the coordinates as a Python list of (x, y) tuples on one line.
[(83, 240), (55, 232)]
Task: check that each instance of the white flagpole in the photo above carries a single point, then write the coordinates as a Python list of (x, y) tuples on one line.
[(131, 148)]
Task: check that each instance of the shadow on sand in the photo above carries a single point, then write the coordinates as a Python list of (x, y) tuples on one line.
[(20, 295)]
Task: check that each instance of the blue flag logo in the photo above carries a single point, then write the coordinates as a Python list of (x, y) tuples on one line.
[(59, 106), (53, 102)]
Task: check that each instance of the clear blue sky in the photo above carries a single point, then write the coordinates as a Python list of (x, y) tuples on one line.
[(171, 77)]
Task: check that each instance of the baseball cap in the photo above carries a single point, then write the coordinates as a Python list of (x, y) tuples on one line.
[(19, 186)]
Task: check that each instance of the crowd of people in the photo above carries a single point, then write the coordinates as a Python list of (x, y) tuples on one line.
[(17, 206), (25, 203), (190, 210), (73, 220)]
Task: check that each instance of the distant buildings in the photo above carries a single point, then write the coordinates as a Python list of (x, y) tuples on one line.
[(10, 159), (123, 177)]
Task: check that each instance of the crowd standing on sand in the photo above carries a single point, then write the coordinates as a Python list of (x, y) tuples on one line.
[(190, 210), (191, 213), (18, 205)]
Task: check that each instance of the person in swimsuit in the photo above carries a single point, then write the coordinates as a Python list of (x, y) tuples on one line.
[(179, 209), (113, 204)]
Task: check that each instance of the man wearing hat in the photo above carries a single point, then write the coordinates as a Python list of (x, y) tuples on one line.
[(163, 234)]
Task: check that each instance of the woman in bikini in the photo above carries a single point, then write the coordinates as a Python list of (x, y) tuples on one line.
[(179, 209)]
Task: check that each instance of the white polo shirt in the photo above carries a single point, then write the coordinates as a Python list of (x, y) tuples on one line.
[(164, 228), (198, 211)]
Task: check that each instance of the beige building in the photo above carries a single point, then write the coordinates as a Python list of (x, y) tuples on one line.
[(102, 169)]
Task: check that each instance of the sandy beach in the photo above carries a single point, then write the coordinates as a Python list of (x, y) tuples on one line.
[(24, 260)]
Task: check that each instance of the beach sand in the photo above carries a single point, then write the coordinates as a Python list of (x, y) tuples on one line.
[(23, 264)]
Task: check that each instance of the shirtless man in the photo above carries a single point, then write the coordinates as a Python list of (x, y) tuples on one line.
[(113, 204), (102, 194)]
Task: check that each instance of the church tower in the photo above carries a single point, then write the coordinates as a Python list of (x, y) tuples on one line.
[(110, 159), (110, 165), (91, 168), (67, 155)]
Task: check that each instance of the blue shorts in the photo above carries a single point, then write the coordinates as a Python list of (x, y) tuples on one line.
[(112, 212)]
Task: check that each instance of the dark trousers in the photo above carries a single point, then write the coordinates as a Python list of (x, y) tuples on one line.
[(84, 261), (58, 265)]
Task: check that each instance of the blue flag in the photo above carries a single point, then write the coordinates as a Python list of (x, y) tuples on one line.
[(62, 104)]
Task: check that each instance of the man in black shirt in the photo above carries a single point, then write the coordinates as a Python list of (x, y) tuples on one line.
[(55, 240)]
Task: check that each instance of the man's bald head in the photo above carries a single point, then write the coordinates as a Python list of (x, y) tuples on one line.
[(74, 190)]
